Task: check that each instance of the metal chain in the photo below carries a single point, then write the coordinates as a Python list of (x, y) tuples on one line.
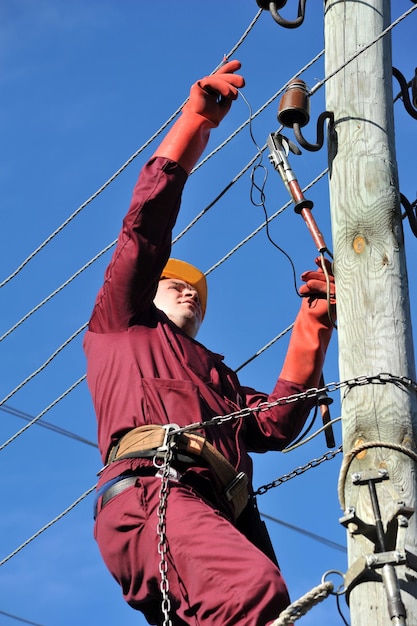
[(358, 381), (298, 471), (165, 467)]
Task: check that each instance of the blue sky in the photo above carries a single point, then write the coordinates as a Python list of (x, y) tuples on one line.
[(84, 85)]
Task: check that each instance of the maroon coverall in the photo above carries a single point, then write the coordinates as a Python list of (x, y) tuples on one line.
[(142, 369)]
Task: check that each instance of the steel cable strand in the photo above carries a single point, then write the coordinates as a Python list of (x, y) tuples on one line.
[(38, 417), (43, 366), (44, 424), (122, 168), (51, 523), (216, 199), (57, 291), (22, 620)]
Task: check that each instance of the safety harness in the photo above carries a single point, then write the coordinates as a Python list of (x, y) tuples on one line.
[(150, 441)]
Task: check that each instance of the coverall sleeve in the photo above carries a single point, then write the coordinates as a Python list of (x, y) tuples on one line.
[(143, 248), (275, 427)]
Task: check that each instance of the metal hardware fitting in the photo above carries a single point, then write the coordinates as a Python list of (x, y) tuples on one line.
[(389, 544)]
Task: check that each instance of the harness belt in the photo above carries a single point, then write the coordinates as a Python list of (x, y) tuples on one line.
[(151, 441)]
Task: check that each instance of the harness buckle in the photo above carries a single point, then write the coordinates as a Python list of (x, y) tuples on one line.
[(169, 430), (236, 486)]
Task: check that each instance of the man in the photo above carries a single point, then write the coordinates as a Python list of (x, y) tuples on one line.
[(145, 369)]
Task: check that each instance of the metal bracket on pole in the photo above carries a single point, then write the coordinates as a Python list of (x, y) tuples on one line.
[(389, 545)]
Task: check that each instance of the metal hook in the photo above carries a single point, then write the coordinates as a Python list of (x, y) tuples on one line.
[(410, 212), (273, 7), (313, 147), (409, 106)]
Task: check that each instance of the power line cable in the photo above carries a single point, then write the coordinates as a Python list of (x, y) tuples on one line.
[(57, 429), (38, 417), (121, 169), (266, 346), (48, 525), (19, 619), (306, 533), (43, 366), (216, 199), (57, 291)]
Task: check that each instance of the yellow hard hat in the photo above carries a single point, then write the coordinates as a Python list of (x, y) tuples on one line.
[(191, 275)]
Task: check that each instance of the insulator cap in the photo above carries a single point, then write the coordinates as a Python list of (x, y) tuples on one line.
[(264, 4), (294, 107)]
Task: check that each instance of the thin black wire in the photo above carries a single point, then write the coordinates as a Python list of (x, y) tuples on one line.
[(20, 619), (307, 533), (261, 190), (57, 429)]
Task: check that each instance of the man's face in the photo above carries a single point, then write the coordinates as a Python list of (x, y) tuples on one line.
[(180, 303)]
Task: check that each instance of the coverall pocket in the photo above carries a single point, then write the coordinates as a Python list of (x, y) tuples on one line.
[(171, 401)]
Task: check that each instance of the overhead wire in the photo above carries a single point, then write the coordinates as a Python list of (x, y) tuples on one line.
[(42, 413), (6, 408), (22, 620), (48, 525), (261, 190), (43, 366), (56, 291), (307, 533), (122, 168)]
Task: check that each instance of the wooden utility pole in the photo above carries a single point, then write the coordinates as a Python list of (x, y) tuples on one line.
[(374, 327)]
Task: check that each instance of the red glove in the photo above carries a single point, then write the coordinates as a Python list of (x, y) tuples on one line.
[(312, 330), (316, 283), (212, 96), (210, 100)]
